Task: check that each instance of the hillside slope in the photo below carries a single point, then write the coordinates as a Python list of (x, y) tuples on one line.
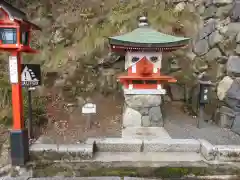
[(74, 53)]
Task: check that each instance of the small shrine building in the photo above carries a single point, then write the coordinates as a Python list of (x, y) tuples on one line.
[(143, 80)]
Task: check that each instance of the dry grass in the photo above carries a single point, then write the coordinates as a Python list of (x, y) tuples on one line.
[(89, 27)]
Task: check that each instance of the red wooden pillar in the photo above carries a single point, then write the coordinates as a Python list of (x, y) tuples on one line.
[(17, 103), (19, 135)]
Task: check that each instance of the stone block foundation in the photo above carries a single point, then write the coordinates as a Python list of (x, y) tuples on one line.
[(142, 111)]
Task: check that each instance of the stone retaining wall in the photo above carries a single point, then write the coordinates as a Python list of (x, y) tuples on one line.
[(215, 51)]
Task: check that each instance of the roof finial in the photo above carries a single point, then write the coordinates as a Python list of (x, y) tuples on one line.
[(143, 21)]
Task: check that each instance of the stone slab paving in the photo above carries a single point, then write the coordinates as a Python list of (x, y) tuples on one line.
[(211, 133), (182, 126), (148, 157), (145, 133)]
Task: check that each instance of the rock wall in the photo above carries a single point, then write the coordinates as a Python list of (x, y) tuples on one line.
[(215, 50), (142, 111)]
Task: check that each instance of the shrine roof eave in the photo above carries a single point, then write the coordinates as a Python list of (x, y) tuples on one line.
[(123, 78), (12, 11), (147, 37), (118, 48), (16, 14), (148, 45), (33, 26)]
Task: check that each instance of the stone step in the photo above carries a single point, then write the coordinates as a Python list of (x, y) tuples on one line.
[(116, 144), (149, 159), (61, 151), (171, 145), (144, 145)]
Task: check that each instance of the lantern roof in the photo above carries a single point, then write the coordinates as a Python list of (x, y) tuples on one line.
[(145, 36), (16, 14)]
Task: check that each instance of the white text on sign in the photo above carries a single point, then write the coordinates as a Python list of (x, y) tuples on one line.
[(89, 108)]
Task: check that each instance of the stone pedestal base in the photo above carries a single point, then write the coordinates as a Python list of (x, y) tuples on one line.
[(142, 111)]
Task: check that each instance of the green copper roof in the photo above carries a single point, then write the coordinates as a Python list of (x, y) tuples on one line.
[(146, 36)]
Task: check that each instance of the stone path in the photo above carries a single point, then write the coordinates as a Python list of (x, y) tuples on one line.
[(182, 126)]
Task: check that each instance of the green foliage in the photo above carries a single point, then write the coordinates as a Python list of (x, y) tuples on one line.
[(38, 105)]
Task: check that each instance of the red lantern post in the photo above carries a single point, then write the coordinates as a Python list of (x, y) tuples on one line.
[(15, 32)]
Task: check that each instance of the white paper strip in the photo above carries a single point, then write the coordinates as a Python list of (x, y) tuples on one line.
[(134, 68), (130, 86), (155, 70), (159, 86), (13, 69)]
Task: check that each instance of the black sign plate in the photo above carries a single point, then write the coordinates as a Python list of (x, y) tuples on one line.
[(31, 75)]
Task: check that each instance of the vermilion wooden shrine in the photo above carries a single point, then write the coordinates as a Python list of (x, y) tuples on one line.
[(15, 37), (143, 49)]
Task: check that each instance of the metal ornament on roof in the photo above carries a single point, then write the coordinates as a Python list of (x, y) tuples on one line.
[(143, 21)]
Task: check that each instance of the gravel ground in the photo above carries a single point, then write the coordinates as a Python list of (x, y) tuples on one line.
[(71, 126), (180, 125)]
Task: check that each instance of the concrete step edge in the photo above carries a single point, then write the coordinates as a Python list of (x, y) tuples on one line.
[(138, 145), (60, 151)]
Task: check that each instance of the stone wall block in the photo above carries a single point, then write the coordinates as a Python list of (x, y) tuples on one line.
[(209, 27), (228, 153), (144, 111), (233, 65), (233, 29), (210, 12), (208, 151), (222, 2), (142, 101), (215, 38), (237, 49), (235, 14), (131, 118), (223, 86), (226, 117), (213, 54), (146, 121), (201, 47), (224, 11), (238, 37), (155, 114), (236, 123)]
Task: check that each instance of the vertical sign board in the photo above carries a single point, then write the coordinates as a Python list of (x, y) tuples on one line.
[(31, 75), (89, 109), (13, 69)]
